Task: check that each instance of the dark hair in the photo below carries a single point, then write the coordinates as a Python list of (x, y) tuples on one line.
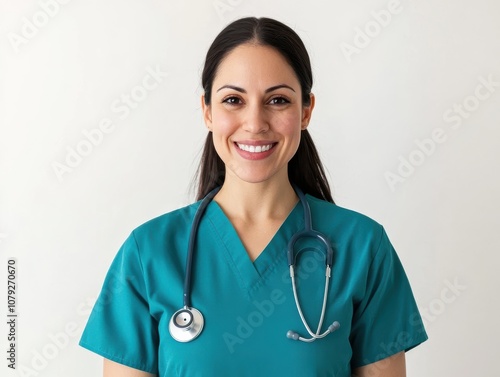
[(305, 168)]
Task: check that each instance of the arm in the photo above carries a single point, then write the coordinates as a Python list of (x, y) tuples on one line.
[(393, 366), (112, 369)]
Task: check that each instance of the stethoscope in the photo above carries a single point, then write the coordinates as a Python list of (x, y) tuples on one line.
[(186, 324)]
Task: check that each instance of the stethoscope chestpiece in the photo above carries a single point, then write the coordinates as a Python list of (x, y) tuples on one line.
[(186, 324)]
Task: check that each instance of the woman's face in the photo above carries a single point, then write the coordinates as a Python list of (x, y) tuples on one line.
[(256, 113)]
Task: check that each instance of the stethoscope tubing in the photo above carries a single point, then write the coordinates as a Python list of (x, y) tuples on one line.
[(187, 323), (191, 243), (307, 232)]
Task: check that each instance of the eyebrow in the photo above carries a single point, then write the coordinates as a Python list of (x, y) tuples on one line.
[(241, 90)]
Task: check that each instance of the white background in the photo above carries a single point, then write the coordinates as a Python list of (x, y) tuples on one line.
[(371, 107)]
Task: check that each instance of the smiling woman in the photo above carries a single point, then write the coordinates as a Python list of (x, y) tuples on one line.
[(257, 106), (266, 209)]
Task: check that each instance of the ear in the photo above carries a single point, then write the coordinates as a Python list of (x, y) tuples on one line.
[(207, 113), (307, 112)]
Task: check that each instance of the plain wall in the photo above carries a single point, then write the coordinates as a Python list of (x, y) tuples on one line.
[(406, 121)]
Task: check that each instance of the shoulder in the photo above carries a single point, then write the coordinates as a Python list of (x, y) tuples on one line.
[(341, 216), (166, 228), (344, 225), (177, 216)]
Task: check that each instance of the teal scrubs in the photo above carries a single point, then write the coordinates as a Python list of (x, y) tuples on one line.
[(249, 306)]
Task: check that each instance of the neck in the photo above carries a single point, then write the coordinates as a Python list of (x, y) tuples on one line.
[(253, 202)]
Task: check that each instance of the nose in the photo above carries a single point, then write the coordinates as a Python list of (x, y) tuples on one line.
[(255, 120)]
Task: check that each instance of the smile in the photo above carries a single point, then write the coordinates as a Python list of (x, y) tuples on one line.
[(255, 148)]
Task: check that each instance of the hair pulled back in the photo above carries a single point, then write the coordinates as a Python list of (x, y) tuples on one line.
[(305, 168)]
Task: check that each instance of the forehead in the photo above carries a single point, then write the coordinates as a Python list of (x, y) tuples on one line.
[(255, 64)]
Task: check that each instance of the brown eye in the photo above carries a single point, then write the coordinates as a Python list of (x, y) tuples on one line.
[(232, 101), (279, 101)]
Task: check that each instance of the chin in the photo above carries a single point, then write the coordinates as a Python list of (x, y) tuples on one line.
[(256, 178)]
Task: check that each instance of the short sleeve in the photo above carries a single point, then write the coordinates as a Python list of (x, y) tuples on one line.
[(120, 326), (386, 320)]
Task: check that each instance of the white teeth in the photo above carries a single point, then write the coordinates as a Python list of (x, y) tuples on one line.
[(254, 149)]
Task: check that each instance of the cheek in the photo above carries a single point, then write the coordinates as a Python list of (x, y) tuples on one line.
[(288, 124), (224, 123), (223, 126)]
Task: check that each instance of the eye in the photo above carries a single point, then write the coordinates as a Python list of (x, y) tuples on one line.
[(279, 101), (232, 101)]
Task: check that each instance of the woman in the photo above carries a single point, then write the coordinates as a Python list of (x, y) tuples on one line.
[(257, 105)]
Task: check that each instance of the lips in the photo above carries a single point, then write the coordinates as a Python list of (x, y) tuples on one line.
[(255, 148)]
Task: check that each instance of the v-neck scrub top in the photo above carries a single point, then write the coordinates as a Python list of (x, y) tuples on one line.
[(249, 306)]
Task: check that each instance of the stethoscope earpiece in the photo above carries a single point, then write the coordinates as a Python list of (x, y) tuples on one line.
[(295, 336)]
